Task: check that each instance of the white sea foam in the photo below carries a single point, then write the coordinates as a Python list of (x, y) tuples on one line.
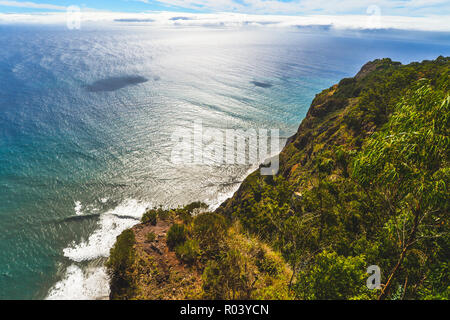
[(78, 208), (111, 225), (226, 194), (79, 284), (93, 283)]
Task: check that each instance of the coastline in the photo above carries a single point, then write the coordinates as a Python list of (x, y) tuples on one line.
[(89, 283), (248, 231)]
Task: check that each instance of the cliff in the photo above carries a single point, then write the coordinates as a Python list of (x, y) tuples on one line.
[(344, 116), (364, 181)]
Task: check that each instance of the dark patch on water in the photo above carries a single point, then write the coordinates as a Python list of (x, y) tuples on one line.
[(262, 84), (81, 217), (127, 217), (115, 83), (224, 184)]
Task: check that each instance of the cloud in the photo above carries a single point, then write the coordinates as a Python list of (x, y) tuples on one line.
[(286, 7), (391, 7), (32, 5), (238, 20)]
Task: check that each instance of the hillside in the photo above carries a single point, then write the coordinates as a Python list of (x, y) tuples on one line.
[(173, 255), (363, 182)]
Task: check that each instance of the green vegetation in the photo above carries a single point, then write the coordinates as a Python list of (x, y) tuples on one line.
[(120, 265), (151, 217), (244, 268), (151, 236), (223, 261), (406, 168), (188, 251), (195, 206), (365, 181), (176, 235), (346, 274), (210, 230)]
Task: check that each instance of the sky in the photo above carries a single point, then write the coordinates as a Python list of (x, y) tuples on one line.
[(406, 8), (423, 15)]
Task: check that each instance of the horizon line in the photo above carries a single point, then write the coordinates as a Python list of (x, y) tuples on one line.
[(436, 23)]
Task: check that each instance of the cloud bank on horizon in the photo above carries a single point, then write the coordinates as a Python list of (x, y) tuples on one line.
[(427, 15)]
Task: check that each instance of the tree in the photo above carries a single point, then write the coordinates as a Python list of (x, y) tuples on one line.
[(120, 265), (407, 166), (332, 276)]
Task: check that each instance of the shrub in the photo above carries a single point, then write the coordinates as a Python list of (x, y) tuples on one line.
[(186, 217), (187, 212), (120, 263), (267, 263), (334, 277), (176, 235), (165, 214), (151, 217), (151, 236), (325, 165), (210, 229), (122, 253), (227, 278), (213, 283), (188, 251), (195, 205)]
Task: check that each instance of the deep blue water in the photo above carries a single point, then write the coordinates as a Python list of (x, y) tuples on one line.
[(86, 119)]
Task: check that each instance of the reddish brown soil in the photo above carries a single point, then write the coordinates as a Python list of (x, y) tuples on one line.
[(161, 274)]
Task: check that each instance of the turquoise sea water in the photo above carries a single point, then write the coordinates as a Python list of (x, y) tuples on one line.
[(86, 119)]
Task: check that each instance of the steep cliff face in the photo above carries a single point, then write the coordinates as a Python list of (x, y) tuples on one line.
[(364, 181), (343, 116), (351, 190)]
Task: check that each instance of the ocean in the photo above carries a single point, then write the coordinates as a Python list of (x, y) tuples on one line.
[(87, 116)]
